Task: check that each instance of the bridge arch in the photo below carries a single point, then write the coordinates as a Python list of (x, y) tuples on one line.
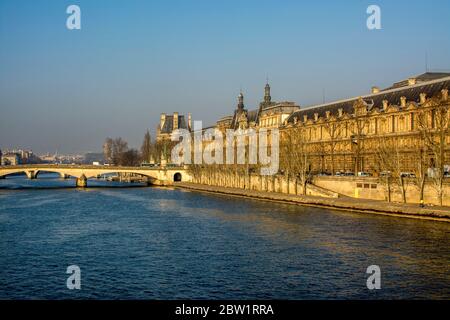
[(61, 173), (177, 177), (13, 172), (116, 171)]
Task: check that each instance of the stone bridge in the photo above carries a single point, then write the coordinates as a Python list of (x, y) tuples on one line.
[(155, 175)]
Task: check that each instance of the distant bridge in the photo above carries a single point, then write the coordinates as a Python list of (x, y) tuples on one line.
[(155, 175)]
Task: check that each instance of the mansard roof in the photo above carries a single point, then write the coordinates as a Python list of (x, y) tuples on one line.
[(392, 95), (225, 120), (281, 107), (168, 124), (252, 115), (424, 77)]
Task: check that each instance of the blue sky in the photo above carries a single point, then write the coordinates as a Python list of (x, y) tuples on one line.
[(69, 89)]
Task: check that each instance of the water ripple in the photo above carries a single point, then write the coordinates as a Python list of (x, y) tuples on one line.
[(154, 243)]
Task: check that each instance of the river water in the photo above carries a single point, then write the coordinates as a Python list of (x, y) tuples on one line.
[(161, 243)]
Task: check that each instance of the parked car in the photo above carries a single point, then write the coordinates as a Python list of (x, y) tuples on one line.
[(349, 174), (446, 174), (385, 174), (149, 165), (364, 174), (407, 174)]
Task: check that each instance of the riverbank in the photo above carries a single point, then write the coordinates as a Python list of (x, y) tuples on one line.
[(342, 203)]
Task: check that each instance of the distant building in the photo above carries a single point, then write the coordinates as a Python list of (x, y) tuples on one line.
[(24, 156), (10, 159), (169, 123)]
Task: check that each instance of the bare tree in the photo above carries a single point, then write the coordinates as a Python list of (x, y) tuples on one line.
[(195, 171), (358, 126), (391, 159), (146, 148), (419, 155), (287, 163), (130, 158), (295, 156), (433, 122), (114, 149), (333, 128), (119, 147), (107, 150), (162, 150)]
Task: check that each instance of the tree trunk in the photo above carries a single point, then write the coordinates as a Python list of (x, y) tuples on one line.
[(332, 162), (422, 188), (388, 187), (402, 187)]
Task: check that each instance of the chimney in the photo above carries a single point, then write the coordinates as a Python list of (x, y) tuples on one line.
[(316, 116), (411, 81), (423, 97), (189, 121), (340, 112), (175, 120), (305, 118), (327, 114), (385, 104), (403, 101), (375, 90), (163, 119), (444, 93)]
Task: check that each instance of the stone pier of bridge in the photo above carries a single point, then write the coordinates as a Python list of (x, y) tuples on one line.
[(31, 174), (82, 182)]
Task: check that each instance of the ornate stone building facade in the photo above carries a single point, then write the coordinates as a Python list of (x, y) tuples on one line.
[(404, 122), (269, 114), (400, 128), (399, 135)]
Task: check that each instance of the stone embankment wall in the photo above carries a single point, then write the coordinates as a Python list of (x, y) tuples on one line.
[(275, 183), (376, 189), (326, 186)]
